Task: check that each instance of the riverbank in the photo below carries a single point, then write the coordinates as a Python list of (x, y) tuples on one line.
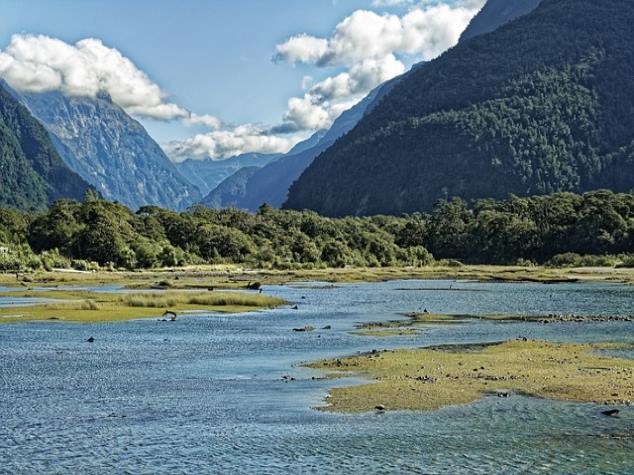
[(432, 378), (98, 307), (234, 277), (414, 320)]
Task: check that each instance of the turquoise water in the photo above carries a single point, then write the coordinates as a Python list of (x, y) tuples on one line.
[(206, 395)]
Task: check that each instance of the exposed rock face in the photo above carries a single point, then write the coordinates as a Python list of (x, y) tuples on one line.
[(111, 150)]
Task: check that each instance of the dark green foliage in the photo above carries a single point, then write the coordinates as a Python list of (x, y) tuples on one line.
[(557, 229), (32, 174), (543, 104)]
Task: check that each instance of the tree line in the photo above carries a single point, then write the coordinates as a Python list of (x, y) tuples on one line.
[(559, 229)]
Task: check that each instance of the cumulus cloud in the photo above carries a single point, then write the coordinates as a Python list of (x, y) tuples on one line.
[(390, 3), (369, 47), (221, 144), (301, 48), (423, 31), (206, 120), (38, 63)]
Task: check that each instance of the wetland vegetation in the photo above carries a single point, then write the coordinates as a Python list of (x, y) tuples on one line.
[(431, 378), (94, 307)]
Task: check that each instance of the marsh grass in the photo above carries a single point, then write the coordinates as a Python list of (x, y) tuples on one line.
[(431, 378), (84, 306), (234, 277)]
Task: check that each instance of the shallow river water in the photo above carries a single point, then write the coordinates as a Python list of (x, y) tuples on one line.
[(206, 395)]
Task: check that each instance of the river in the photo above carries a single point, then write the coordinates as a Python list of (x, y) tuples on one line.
[(206, 394)]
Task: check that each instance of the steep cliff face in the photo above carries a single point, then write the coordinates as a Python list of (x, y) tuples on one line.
[(111, 151), (32, 174)]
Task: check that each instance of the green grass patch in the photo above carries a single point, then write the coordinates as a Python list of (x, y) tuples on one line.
[(431, 378), (91, 307)]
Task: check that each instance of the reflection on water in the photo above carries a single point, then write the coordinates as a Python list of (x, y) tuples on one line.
[(206, 395)]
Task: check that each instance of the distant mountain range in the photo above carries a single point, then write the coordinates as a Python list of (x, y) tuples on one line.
[(207, 174), (111, 151), (543, 104), (270, 184), (32, 174), (250, 189)]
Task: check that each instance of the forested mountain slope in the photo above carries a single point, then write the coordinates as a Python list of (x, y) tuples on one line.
[(496, 13), (271, 183), (32, 175), (543, 104)]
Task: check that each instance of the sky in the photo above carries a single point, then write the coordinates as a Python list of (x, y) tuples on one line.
[(215, 78)]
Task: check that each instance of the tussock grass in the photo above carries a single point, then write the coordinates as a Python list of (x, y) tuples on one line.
[(84, 306), (174, 299)]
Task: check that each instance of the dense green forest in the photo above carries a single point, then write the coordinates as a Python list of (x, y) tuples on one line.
[(541, 105), (32, 175), (97, 233)]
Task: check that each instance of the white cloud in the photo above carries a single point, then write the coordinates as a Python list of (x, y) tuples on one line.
[(367, 45), (210, 121), (38, 63), (390, 3), (220, 144), (301, 49), (424, 31)]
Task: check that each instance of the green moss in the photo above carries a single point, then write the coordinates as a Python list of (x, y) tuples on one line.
[(428, 379)]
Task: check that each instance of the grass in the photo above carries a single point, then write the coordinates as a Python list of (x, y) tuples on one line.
[(92, 307), (428, 379), (234, 277)]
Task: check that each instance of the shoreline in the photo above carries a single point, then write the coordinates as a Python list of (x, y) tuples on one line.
[(428, 379), (234, 277)]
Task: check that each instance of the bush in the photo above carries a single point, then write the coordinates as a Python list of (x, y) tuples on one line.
[(570, 259)]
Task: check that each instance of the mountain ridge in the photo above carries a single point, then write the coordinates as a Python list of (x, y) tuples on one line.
[(32, 174), (112, 151), (531, 108)]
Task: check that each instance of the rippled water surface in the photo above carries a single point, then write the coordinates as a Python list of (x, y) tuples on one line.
[(205, 394)]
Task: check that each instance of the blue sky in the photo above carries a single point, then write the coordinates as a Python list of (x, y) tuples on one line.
[(211, 56)]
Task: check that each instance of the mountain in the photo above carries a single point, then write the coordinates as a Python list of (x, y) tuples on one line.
[(543, 104), (32, 174), (270, 184), (496, 13), (207, 174), (110, 150), (226, 194)]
